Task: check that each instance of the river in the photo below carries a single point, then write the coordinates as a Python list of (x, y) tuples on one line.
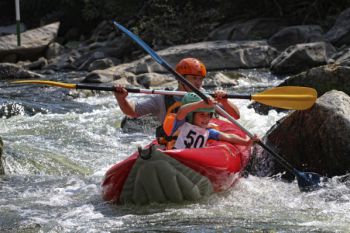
[(60, 143)]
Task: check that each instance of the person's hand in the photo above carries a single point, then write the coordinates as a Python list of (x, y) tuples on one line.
[(210, 104), (220, 96), (255, 138), (120, 91)]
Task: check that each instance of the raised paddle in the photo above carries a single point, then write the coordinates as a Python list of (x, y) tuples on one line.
[(288, 97), (307, 181)]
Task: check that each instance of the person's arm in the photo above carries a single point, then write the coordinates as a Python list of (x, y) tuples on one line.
[(187, 108), (228, 106), (235, 139), (128, 108)]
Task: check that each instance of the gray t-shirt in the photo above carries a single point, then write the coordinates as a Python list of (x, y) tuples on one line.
[(154, 105)]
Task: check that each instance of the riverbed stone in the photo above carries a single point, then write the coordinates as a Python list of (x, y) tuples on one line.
[(339, 34), (298, 34), (12, 71), (316, 140), (323, 79), (2, 172), (33, 43), (300, 57), (254, 29), (155, 80), (216, 55)]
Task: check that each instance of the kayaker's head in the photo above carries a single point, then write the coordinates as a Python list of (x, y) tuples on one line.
[(201, 116), (193, 70)]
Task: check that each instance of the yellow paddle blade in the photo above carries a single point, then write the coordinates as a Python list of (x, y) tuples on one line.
[(288, 97), (50, 83)]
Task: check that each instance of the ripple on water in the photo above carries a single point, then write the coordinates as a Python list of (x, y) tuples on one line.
[(55, 163)]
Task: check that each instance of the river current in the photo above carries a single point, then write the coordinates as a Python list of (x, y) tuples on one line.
[(59, 144)]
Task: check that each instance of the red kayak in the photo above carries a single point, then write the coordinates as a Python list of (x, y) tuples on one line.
[(160, 176)]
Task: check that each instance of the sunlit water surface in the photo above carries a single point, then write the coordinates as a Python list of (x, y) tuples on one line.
[(55, 162)]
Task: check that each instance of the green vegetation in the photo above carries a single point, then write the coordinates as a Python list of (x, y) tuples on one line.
[(169, 21)]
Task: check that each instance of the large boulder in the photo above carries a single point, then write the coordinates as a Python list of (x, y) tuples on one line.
[(12, 71), (299, 34), (254, 29), (216, 55), (300, 57), (339, 34), (323, 79), (33, 44), (342, 57), (316, 140)]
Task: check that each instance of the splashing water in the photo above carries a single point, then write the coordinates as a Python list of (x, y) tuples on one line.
[(55, 162)]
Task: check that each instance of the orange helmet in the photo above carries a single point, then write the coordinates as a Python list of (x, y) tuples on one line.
[(191, 66)]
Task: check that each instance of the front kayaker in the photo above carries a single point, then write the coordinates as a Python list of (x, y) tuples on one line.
[(160, 106), (191, 125)]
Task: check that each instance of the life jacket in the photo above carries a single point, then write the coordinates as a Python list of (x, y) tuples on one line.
[(178, 134), (162, 132)]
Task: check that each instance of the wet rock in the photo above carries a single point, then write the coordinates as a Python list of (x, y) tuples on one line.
[(323, 79), (316, 140), (36, 65), (2, 171), (339, 34), (263, 109), (299, 34), (63, 62), (33, 43), (53, 50), (217, 55), (10, 109), (100, 64), (300, 57), (255, 29), (84, 61), (220, 79), (149, 80), (342, 57), (12, 71), (117, 74)]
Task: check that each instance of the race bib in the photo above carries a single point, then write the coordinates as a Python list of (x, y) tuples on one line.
[(191, 136)]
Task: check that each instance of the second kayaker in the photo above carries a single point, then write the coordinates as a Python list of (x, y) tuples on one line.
[(192, 127)]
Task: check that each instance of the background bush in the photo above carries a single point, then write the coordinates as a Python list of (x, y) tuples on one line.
[(168, 22)]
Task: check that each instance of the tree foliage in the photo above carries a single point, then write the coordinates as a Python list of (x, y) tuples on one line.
[(170, 21)]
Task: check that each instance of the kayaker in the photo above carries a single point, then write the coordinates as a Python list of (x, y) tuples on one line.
[(192, 127), (160, 106)]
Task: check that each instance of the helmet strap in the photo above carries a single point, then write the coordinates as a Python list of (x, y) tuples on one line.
[(189, 118)]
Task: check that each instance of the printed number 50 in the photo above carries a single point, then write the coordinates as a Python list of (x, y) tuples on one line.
[(193, 140)]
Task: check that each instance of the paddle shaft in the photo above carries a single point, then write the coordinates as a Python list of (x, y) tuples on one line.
[(148, 91), (181, 93), (181, 79)]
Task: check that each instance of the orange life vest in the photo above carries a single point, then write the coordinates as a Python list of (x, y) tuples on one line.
[(163, 131)]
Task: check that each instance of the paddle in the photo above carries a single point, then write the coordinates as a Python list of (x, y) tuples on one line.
[(288, 97), (307, 181)]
